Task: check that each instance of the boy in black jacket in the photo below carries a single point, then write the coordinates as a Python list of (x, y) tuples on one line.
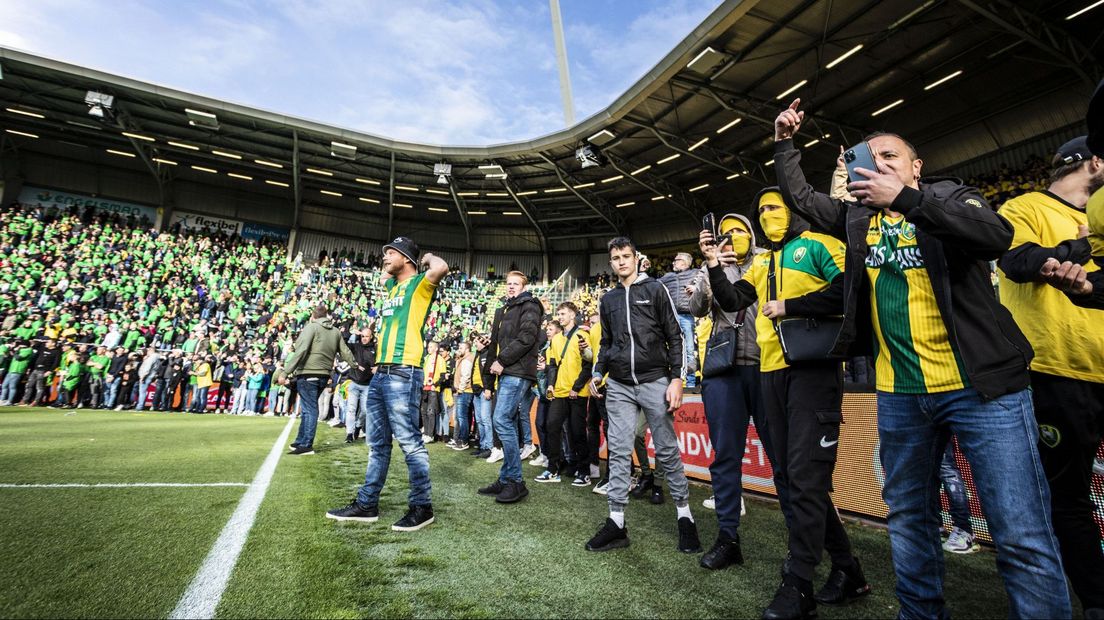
[(641, 350)]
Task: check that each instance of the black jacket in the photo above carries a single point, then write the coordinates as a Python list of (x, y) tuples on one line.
[(47, 359), (365, 355), (641, 338), (516, 336), (957, 235)]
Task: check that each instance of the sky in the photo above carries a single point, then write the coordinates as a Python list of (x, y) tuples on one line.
[(454, 72)]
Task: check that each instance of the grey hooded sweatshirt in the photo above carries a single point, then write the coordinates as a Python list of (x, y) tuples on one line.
[(315, 349), (701, 302)]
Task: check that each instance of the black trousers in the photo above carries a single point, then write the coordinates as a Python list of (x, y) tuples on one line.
[(223, 399), (572, 411), (596, 427), (803, 408), (1070, 413)]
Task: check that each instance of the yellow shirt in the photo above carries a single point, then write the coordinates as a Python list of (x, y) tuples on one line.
[(402, 320), (570, 365), (1068, 340)]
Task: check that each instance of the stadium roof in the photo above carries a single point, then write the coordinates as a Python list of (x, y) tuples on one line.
[(959, 78)]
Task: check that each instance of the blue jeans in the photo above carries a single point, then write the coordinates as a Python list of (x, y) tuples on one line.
[(999, 438), (463, 416), (511, 390), (956, 491), (199, 400), (10, 385), (689, 348), (308, 388), (394, 412), (483, 422), (111, 392), (356, 407), (525, 423)]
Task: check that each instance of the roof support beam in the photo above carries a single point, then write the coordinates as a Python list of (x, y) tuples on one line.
[(527, 209), (590, 199), (296, 183), (1034, 30), (658, 186), (663, 136), (459, 202)]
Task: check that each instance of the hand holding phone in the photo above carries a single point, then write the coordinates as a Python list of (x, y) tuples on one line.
[(709, 223), (858, 156)]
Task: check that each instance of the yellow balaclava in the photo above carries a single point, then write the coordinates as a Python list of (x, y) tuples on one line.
[(775, 223), (740, 243), (1095, 211)]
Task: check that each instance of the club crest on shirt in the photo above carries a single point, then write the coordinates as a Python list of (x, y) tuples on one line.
[(973, 202), (1049, 435), (799, 254)]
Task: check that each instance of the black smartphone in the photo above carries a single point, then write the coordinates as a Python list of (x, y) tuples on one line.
[(858, 156), (710, 223), (724, 240)]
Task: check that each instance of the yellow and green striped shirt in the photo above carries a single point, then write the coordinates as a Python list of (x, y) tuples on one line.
[(402, 321), (914, 352)]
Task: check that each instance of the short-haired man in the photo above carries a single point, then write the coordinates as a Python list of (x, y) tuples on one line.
[(1067, 374), (641, 350), (394, 391), (676, 281), (568, 403), (360, 374), (512, 357), (462, 394), (950, 359)]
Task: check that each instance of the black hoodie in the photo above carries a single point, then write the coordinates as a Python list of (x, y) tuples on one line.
[(517, 337)]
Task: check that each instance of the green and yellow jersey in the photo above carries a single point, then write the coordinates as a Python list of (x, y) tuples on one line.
[(1068, 341), (806, 264), (913, 351), (402, 321)]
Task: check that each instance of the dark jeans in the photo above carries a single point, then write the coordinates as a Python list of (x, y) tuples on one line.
[(542, 423), (803, 406), (732, 400), (1071, 417), (309, 388), (223, 398), (430, 402), (956, 491), (596, 427), (572, 411), (36, 391)]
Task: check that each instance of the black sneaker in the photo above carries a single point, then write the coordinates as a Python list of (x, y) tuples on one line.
[(494, 488), (643, 487), (293, 446), (725, 552), (844, 585), (609, 537), (657, 495), (688, 536), (349, 439), (512, 492), (792, 601), (581, 481), (354, 512), (301, 450), (482, 454), (415, 519)]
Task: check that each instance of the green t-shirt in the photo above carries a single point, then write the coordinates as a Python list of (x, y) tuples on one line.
[(103, 360)]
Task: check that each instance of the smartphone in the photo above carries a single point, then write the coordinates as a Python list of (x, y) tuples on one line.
[(858, 156), (724, 240), (710, 223)]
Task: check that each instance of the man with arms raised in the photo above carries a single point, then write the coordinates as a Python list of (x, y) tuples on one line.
[(393, 394)]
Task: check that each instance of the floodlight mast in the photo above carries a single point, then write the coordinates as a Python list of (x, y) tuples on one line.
[(561, 61)]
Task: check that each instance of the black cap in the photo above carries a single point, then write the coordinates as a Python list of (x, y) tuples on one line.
[(1072, 152), (406, 247), (1095, 118)]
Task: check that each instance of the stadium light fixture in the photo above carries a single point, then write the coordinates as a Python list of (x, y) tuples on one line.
[(243, 177), (497, 194), (844, 56), (704, 62), (100, 105), (438, 210), (199, 118), (639, 170), (325, 173), (655, 198), (510, 212), (441, 192), (276, 183), (626, 204), (183, 146), (888, 107), (466, 194), (406, 188), (167, 162), (1085, 10), (204, 169), (123, 153), (330, 193), (555, 190), (617, 177), (580, 186), (601, 138), (402, 205), (698, 144), (21, 133), (443, 172), (668, 158), (732, 176), (812, 142), (225, 154), (138, 136), (366, 181), (769, 162), (699, 188), (791, 89), (729, 125), (948, 78), (492, 171), (342, 150), (589, 156), (527, 193), (270, 164), (25, 112), (483, 213), (368, 200)]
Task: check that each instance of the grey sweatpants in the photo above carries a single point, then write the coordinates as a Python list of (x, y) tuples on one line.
[(622, 402)]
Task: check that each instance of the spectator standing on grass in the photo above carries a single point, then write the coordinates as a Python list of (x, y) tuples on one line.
[(677, 280), (310, 365), (394, 391), (568, 407), (462, 394), (45, 363), (70, 373), (360, 375), (641, 350), (22, 355), (201, 372), (97, 370)]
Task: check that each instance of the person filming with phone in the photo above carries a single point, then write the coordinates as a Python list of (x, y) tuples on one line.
[(949, 359)]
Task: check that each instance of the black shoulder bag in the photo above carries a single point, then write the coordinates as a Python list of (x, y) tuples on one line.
[(722, 347), (804, 339)]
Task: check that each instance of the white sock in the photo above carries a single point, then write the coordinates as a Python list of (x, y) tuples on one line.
[(684, 511), (618, 518)]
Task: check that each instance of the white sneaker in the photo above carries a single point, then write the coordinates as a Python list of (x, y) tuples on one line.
[(540, 461), (427, 439), (119, 408), (496, 455), (528, 451), (710, 503), (743, 506), (961, 541)]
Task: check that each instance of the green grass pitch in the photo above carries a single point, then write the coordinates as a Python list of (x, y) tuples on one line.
[(131, 552)]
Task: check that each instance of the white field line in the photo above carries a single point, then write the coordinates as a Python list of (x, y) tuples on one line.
[(122, 485), (202, 597)]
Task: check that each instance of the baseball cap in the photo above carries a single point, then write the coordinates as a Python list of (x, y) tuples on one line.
[(406, 247), (1095, 118), (1072, 152)]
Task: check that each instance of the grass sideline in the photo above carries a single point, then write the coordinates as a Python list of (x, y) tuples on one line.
[(132, 552)]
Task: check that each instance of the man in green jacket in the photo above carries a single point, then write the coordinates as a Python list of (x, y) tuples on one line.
[(21, 359), (310, 363)]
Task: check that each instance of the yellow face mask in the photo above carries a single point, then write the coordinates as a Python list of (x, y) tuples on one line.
[(775, 223), (741, 243)]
